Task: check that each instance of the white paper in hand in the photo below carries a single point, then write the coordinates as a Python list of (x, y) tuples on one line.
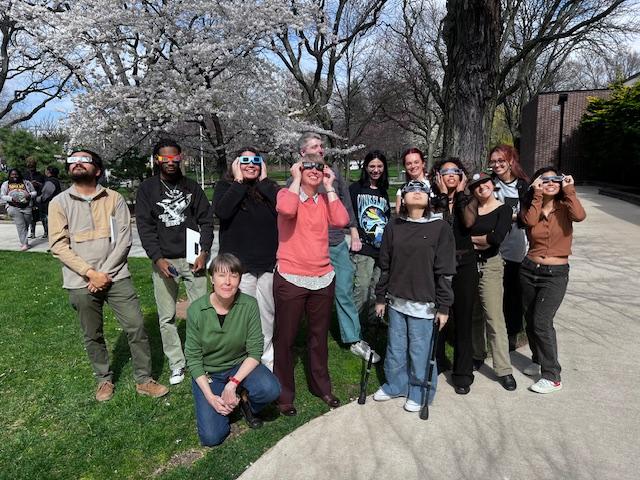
[(193, 247)]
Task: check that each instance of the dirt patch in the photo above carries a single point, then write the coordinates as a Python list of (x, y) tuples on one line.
[(182, 459)]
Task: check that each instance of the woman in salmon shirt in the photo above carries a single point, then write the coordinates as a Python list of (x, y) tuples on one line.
[(304, 281), (550, 208)]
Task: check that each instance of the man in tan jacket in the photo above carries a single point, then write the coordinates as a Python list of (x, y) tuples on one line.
[(90, 232)]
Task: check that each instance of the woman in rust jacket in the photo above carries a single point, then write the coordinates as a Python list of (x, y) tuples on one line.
[(550, 208)]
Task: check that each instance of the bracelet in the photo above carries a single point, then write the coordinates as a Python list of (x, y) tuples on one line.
[(237, 180), (330, 191), (234, 380)]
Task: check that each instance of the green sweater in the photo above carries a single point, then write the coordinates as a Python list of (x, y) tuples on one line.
[(210, 348)]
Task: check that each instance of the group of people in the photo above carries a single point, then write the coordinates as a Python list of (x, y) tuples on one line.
[(27, 196), (485, 251)]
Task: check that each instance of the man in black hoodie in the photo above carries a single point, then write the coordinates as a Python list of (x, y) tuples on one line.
[(166, 205)]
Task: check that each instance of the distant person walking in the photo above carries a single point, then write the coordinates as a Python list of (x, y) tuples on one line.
[(167, 205), (549, 210), (37, 180), (18, 194), (50, 189), (90, 232)]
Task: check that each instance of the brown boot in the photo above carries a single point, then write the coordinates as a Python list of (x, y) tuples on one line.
[(104, 391), (152, 389)]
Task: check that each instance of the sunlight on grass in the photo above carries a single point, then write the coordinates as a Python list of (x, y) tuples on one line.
[(52, 426)]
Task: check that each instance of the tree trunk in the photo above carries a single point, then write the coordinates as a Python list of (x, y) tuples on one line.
[(215, 135), (472, 30)]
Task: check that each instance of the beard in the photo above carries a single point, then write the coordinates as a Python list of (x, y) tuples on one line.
[(82, 176)]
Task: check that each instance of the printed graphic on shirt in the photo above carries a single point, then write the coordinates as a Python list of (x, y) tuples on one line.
[(514, 203), (372, 217), (174, 206), (18, 193)]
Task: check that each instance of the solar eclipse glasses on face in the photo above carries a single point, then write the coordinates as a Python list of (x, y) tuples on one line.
[(552, 178), (169, 158), (311, 165), (450, 171), (72, 160), (415, 186), (250, 159)]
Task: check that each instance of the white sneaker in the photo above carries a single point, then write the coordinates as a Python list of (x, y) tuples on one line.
[(545, 386), (532, 369), (411, 406), (382, 396), (362, 349), (177, 376)]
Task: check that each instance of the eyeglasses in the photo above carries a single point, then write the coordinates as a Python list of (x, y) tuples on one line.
[(495, 162), (169, 158), (311, 165), (554, 179), (450, 171), (72, 160), (254, 159)]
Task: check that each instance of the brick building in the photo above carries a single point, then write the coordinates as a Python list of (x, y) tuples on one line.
[(540, 130)]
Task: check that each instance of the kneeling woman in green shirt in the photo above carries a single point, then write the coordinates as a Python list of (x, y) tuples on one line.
[(223, 349)]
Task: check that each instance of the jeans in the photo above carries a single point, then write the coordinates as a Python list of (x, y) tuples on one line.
[(488, 318), (367, 274), (261, 288), (543, 289), (261, 385), (22, 217), (512, 299), (121, 297), (166, 294), (408, 353), (345, 308)]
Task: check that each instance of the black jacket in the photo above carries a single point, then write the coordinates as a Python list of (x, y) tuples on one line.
[(417, 262), (164, 212), (248, 227)]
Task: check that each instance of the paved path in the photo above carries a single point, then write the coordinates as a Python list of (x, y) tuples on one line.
[(9, 240), (589, 430)]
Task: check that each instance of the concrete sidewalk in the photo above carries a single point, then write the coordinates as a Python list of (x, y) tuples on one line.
[(589, 430), (9, 240)]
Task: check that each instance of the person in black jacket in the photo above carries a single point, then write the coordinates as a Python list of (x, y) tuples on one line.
[(417, 262), (449, 179), (167, 205), (50, 189), (245, 202), (37, 180)]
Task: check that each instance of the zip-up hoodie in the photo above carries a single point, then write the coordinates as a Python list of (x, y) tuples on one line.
[(80, 235)]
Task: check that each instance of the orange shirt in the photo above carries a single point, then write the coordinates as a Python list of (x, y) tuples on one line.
[(303, 232), (552, 236)]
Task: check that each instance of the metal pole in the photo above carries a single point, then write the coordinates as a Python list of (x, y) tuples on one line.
[(201, 160), (562, 99)]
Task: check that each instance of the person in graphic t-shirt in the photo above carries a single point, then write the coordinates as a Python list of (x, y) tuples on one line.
[(371, 205), (512, 185), (166, 205)]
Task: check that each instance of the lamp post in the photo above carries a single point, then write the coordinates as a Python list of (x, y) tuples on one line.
[(201, 160), (562, 99)]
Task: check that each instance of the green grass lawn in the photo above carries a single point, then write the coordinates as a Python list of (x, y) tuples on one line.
[(53, 428)]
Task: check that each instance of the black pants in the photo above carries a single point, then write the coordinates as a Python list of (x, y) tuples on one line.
[(512, 298), (543, 289), (465, 285)]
